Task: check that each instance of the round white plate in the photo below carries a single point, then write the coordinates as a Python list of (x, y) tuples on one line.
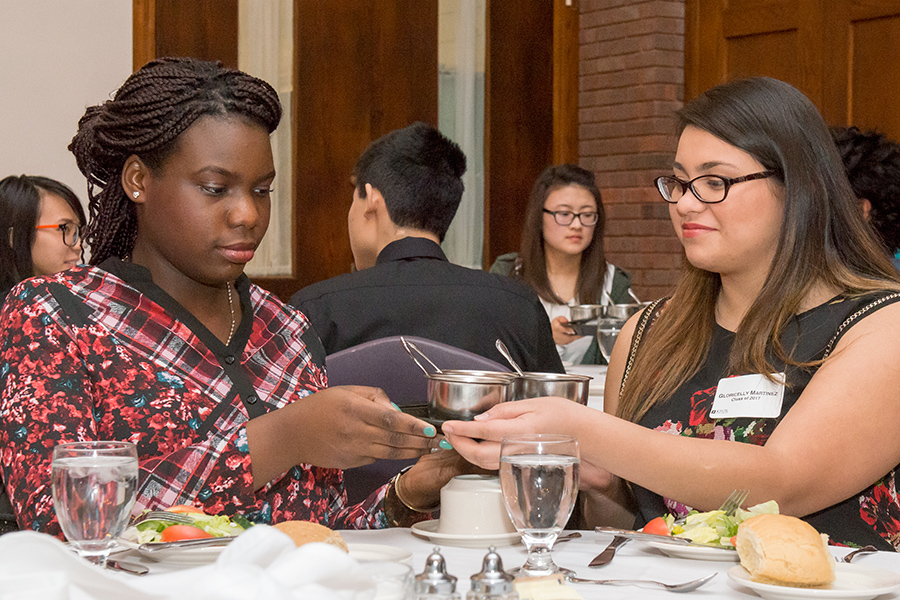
[(378, 552), (696, 552), (851, 581), (428, 530)]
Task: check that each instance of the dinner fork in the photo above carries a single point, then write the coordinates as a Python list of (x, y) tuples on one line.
[(687, 586), (162, 515), (731, 504), (859, 551)]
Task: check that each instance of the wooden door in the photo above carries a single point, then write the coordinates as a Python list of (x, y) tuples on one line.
[(841, 53)]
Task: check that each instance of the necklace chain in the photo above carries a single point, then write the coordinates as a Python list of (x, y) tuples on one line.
[(231, 308)]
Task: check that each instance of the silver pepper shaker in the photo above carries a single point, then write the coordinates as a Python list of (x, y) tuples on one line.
[(492, 583), (434, 583)]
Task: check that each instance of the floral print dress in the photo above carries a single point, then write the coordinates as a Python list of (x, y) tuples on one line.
[(871, 516), (103, 353)]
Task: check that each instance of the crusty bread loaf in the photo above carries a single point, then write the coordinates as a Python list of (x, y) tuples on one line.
[(784, 550), (304, 532)]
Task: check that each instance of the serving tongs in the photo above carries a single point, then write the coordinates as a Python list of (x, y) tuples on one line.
[(640, 536), (151, 547), (409, 347)]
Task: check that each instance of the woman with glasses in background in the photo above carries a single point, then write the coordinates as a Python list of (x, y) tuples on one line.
[(773, 367), (41, 221), (562, 257)]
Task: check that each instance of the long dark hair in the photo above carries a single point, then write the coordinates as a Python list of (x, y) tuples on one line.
[(154, 106), (823, 239), (20, 201), (532, 267)]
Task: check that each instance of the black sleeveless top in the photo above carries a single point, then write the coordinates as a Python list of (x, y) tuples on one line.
[(872, 516)]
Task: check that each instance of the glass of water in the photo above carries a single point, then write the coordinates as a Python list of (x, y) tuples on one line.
[(539, 480), (94, 487), (608, 329)]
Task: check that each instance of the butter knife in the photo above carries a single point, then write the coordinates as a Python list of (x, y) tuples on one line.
[(151, 547), (608, 553)]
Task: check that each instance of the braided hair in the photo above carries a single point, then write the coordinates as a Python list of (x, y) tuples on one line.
[(154, 106)]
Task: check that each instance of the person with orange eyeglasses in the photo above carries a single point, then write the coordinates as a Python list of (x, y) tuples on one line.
[(42, 220)]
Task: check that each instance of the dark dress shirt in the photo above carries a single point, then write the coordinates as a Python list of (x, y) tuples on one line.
[(414, 290)]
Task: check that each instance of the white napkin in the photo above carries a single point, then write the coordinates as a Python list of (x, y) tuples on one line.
[(261, 563)]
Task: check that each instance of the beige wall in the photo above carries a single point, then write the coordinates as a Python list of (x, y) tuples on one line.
[(56, 57)]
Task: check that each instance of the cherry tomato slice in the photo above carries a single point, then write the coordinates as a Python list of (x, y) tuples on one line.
[(184, 508), (173, 533), (657, 526)]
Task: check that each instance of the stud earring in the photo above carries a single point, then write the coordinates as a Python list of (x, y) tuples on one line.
[(135, 195)]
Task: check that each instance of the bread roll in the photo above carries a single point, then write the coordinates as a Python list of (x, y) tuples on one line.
[(304, 532), (784, 550)]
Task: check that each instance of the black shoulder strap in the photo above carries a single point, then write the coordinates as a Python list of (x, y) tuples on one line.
[(842, 329)]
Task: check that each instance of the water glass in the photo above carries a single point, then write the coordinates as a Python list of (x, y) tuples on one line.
[(608, 329), (94, 488), (539, 479)]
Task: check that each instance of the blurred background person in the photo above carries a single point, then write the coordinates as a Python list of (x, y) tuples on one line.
[(562, 257), (41, 221), (873, 167), (407, 188)]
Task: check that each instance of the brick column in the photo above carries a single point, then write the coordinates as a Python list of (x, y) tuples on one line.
[(631, 81)]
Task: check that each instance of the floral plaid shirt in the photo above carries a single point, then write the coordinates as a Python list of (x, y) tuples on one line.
[(124, 361)]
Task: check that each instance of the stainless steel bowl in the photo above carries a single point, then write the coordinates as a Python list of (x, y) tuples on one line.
[(583, 318), (623, 311), (566, 385), (461, 396)]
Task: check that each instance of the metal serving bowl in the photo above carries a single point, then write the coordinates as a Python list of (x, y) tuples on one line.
[(623, 311), (567, 385), (462, 395)]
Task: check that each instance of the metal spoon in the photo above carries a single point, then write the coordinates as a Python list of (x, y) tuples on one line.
[(505, 352), (864, 550), (633, 297), (687, 586), (568, 536)]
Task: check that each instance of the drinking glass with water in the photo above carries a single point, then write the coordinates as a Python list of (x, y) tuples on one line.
[(539, 479), (94, 488), (608, 330)]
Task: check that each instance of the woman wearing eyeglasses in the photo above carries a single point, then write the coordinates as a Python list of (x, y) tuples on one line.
[(41, 219), (562, 256), (773, 367)]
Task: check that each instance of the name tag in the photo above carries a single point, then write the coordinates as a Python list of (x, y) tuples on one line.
[(748, 396)]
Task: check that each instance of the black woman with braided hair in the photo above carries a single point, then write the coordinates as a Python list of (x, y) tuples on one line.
[(163, 341)]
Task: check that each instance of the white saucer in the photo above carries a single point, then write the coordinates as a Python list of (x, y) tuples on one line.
[(696, 552), (850, 581), (379, 552), (428, 530)]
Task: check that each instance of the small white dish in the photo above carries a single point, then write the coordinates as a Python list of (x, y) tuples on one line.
[(428, 530), (851, 582), (379, 552), (696, 552)]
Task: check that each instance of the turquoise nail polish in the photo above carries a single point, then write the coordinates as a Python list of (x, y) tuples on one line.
[(445, 445), (430, 431), (395, 406)]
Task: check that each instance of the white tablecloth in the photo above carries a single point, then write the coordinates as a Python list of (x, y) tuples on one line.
[(633, 560)]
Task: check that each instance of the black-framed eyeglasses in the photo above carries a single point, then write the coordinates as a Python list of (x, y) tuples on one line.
[(709, 189), (565, 217), (71, 232)]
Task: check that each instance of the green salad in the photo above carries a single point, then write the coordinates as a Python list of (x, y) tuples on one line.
[(201, 525), (715, 527)]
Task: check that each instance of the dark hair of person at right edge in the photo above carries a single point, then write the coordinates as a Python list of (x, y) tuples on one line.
[(154, 106), (872, 162), (419, 173), (20, 201)]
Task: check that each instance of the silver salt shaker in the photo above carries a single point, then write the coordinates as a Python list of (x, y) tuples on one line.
[(492, 583), (434, 583)]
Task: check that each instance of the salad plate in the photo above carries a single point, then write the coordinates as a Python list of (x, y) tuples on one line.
[(428, 530), (378, 552), (696, 552), (851, 581)]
